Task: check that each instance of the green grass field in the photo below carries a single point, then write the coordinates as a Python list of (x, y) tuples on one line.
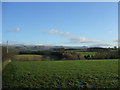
[(61, 74), (27, 57)]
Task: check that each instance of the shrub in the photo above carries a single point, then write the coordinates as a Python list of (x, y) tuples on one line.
[(70, 55), (106, 55)]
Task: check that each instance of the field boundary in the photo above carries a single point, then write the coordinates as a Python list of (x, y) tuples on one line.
[(5, 63)]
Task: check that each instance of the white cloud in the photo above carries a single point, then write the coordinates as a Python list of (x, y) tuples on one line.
[(15, 30), (116, 40), (84, 40), (73, 38), (101, 45), (67, 34)]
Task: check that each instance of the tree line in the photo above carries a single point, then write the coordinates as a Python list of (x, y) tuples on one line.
[(62, 54)]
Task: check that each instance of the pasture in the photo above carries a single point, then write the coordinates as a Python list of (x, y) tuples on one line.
[(61, 74), (28, 57)]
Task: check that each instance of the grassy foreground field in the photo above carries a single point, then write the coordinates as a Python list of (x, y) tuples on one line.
[(61, 74)]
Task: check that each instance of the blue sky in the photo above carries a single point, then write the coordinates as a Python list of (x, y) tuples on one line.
[(67, 23)]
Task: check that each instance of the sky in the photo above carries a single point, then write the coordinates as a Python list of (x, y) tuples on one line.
[(60, 23), (60, 0)]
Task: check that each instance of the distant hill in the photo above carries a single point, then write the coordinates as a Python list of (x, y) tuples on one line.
[(42, 47)]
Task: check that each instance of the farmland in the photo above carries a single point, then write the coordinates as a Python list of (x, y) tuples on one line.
[(83, 52), (59, 45), (61, 74), (27, 57)]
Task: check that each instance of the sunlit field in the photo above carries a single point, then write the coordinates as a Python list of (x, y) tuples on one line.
[(27, 57)]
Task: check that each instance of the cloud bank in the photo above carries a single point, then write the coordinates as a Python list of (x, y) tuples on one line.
[(15, 30), (73, 38), (101, 45), (116, 40)]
